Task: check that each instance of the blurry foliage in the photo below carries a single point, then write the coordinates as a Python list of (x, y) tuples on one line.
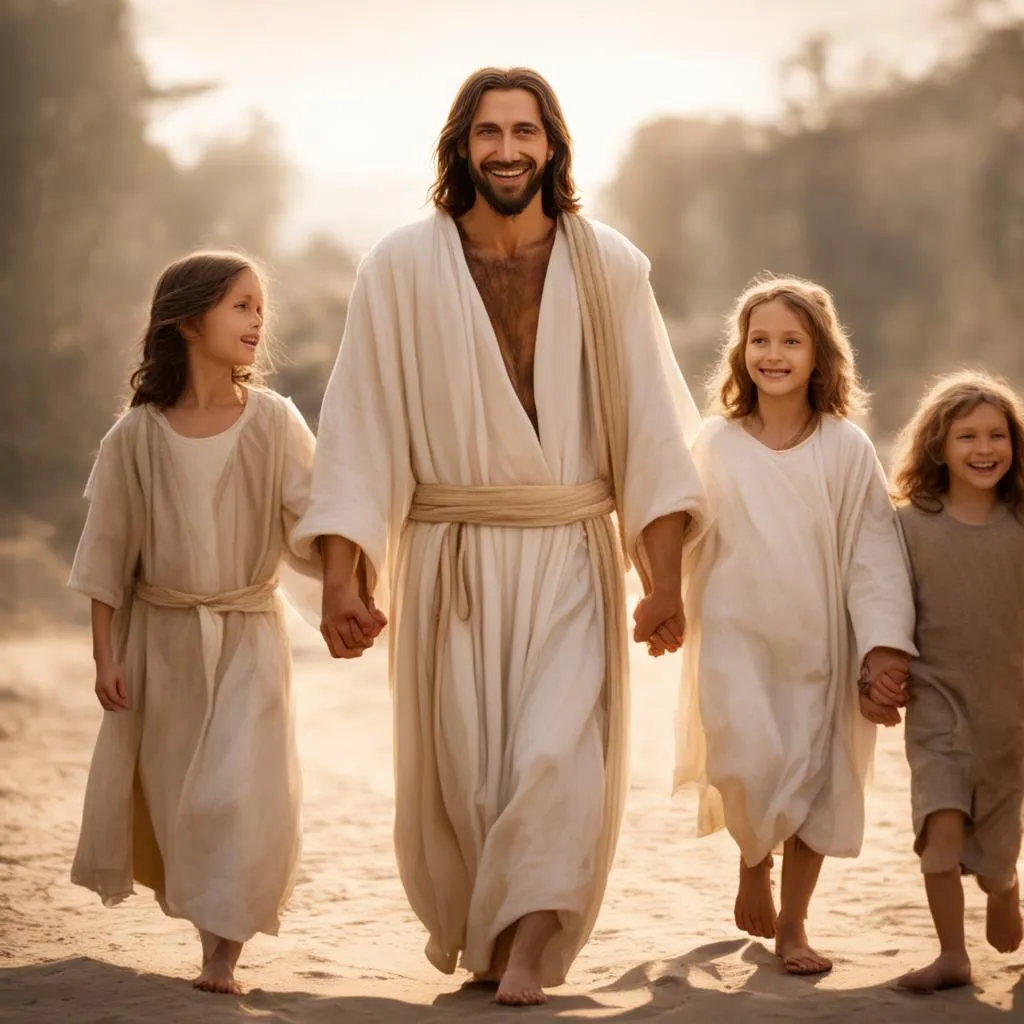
[(905, 198), (311, 292), (90, 212)]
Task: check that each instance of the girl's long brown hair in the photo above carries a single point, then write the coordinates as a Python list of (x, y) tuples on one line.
[(185, 291), (453, 190), (834, 386), (921, 476)]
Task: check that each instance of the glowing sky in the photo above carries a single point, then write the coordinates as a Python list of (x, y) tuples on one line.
[(358, 89)]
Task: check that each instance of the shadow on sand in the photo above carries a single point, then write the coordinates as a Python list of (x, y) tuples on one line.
[(686, 989)]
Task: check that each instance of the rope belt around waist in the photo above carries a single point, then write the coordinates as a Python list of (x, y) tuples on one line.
[(257, 598)]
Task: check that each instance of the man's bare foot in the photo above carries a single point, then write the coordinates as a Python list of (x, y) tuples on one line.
[(797, 956), (755, 905), (949, 970), (1003, 926), (520, 983), (218, 973), (520, 987)]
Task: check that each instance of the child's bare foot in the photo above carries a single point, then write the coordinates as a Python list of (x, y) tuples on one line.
[(797, 956), (755, 906), (949, 970), (218, 973), (520, 987), (1003, 926)]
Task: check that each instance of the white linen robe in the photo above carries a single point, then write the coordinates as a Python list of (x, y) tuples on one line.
[(800, 574), (420, 394)]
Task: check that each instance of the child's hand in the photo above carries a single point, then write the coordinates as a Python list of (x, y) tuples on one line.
[(111, 691), (877, 714), (660, 622), (884, 676), (889, 691), (347, 625)]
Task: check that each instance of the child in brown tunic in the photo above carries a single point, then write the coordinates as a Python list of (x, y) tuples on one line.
[(960, 483)]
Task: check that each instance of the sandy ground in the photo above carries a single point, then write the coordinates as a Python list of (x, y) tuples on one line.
[(665, 946)]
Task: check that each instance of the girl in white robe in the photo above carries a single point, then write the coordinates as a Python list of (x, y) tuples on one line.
[(798, 589), (194, 787)]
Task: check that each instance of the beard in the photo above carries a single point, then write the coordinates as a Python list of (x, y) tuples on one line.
[(506, 206)]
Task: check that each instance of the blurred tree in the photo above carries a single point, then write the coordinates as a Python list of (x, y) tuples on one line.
[(235, 193), (90, 211), (75, 236), (806, 83), (312, 289), (665, 193), (906, 199)]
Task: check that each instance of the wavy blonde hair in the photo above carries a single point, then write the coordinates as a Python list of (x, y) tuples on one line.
[(920, 476), (834, 386)]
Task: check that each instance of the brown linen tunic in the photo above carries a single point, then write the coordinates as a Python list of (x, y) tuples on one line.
[(965, 722)]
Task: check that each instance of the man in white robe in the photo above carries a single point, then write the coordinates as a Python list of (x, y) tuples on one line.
[(504, 383)]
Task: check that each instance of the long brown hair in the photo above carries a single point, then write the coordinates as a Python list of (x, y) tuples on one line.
[(186, 290), (921, 476), (834, 386), (453, 190)]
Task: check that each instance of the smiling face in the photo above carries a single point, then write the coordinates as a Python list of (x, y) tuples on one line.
[(229, 333), (508, 150), (978, 450), (779, 351)]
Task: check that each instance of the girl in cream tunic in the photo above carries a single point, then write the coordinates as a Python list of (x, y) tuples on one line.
[(194, 788)]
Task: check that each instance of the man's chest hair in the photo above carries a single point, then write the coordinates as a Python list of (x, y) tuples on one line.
[(511, 290)]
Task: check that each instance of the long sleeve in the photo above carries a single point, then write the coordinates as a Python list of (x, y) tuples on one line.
[(878, 589), (663, 419), (301, 571), (296, 482)]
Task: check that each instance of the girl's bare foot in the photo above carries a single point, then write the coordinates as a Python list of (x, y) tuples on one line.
[(949, 970), (755, 905), (1003, 926), (219, 959), (797, 956)]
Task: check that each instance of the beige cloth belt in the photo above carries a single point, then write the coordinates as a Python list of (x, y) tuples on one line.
[(257, 598), (260, 597), (530, 506), (527, 507)]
